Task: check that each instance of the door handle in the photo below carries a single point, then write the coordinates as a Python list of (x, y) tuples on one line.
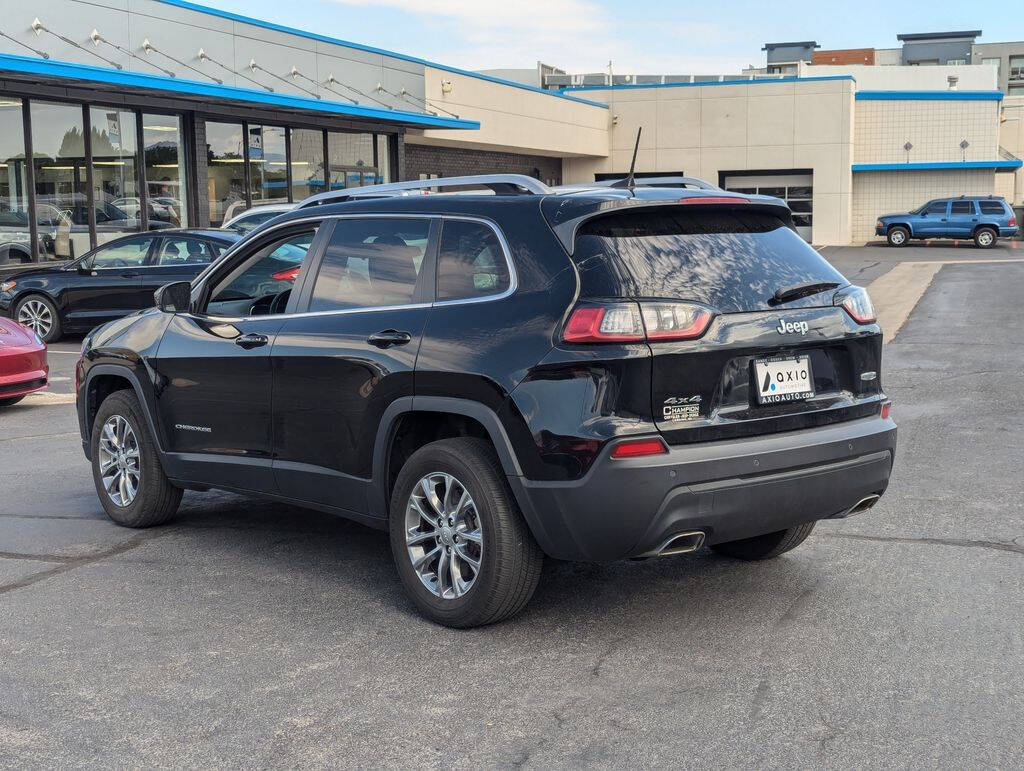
[(389, 337), (251, 340), (129, 275)]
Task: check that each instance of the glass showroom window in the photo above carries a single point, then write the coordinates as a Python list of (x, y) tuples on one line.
[(351, 159), (225, 156), (383, 159), (15, 236), (268, 165), (166, 183), (307, 163), (58, 160), (115, 173)]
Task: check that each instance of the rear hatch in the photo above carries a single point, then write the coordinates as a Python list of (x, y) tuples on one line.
[(769, 348)]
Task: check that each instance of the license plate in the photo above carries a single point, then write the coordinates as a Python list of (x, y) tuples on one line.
[(783, 379)]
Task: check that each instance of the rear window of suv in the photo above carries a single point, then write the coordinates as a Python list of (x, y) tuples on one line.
[(732, 261), (992, 207)]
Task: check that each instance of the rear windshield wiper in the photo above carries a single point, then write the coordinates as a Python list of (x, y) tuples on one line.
[(795, 292)]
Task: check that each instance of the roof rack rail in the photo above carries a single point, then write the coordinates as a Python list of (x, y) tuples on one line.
[(500, 184)]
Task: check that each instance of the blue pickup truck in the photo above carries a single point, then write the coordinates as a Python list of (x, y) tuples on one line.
[(981, 218)]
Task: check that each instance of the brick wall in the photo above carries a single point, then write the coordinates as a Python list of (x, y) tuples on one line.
[(457, 162)]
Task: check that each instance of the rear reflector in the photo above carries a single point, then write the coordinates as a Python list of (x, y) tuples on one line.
[(287, 275), (638, 448), (886, 409), (713, 199), (625, 322)]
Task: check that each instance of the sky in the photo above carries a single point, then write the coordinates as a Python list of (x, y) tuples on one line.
[(637, 36)]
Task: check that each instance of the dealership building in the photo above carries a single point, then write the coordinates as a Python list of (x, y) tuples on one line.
[(120, 116)]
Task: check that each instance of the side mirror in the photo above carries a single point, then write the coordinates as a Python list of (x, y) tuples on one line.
[(174, 298)]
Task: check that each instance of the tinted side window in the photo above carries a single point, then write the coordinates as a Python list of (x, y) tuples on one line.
[(370, 263), (127, 253), (184, 251), (962, 207), (938, 207), (992, 207), (253, 285), (470, 262)]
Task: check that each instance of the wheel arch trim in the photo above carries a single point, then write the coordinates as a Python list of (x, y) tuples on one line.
[(485, 416), (123, 372)]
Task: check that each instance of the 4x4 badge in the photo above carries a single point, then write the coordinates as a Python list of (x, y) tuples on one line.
[(786, 327)]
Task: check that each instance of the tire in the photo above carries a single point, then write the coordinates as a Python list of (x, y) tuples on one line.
[(509, 559), (898, 236), (11, 400), (155, 499), (763, 547), (40, 315), (985, 238)]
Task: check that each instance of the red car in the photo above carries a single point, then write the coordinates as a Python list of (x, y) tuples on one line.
[(23, 367)]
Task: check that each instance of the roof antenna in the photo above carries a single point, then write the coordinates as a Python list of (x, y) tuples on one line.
[(630, 182)]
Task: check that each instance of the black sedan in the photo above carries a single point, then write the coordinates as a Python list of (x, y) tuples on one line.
[(113, 280)]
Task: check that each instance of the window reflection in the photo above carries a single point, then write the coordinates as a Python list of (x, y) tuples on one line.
[(307, 163), (164, 143), (351, 159), (115, 174), (268, 168), (225, 154), (15, 237), (58, 150)]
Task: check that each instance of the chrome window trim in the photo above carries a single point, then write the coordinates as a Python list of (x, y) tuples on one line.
[(513, 275)]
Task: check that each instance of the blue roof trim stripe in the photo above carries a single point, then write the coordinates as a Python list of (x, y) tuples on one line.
[(738, 82), (371, 49), (930, 96), (937, 165), (86, 72)]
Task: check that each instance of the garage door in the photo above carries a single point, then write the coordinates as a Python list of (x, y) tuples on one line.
[(795, 189)]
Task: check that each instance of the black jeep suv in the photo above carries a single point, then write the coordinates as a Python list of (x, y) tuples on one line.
[(588, 374)]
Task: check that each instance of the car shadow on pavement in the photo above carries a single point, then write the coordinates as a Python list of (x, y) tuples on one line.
[(314, 548)]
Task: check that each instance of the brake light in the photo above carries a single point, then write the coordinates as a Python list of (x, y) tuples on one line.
[(639, 448), (886, 409), (287, 275), (628, 322), (856, 302), (713, 199), (1013, 222)]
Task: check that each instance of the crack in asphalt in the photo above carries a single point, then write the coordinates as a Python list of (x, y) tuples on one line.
[(959, 542), (70, 563)]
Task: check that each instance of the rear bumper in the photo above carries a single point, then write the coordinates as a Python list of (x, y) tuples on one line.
[(728, 490)]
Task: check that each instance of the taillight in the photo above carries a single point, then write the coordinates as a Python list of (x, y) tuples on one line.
[(287, 275), (674, 321), (713, 199), (639, 448), (856, 302), (626, 322), (1013, 222), (886, 409), (611, 323)]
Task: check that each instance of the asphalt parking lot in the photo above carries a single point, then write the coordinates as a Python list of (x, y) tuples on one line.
[(254, 634)]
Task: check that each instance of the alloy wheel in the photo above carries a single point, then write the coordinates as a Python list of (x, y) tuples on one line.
[(985, 238), (897, 237), (36, 315), (443, 535), (120, 462)]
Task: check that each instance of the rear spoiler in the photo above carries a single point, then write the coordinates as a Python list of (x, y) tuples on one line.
[(566, 231)]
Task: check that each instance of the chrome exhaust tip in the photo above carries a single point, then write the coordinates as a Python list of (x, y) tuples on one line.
[(863, 504), (681, 543)]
